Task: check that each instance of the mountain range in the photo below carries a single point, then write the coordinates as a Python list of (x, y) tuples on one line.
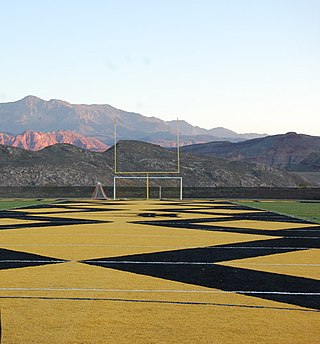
[(33, 124), (35, 114), (67, 165), (291, 151)]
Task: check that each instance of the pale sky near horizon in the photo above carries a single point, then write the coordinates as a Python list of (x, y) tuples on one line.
[(250, 66)]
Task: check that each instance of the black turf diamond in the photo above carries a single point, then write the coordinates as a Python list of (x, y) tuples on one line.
[(15, 259)]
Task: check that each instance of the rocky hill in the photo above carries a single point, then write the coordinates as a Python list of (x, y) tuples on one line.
[(35, 140), (32, 113), (291, 151), (64, 164), (311, 163)]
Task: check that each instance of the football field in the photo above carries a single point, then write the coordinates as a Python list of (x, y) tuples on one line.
[(130, 271)]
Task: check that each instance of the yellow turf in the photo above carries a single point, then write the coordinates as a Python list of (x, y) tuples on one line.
[(263, 225), (115, 315), (304, 263), (9, 222)]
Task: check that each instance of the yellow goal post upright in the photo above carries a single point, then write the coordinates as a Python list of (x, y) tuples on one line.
[(147, 175)]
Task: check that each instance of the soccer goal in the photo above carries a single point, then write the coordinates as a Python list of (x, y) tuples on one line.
[(148, 180), (98, 192)]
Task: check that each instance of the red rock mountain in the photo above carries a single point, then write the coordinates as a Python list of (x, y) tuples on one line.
[(36, 140), (98, 121)]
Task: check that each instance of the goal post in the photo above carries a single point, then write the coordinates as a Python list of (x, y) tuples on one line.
[(147, 175), (147, 185)]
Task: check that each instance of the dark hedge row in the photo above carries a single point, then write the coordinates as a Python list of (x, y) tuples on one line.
[(166, 192)]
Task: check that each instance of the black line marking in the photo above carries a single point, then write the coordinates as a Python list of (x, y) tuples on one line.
[(65, 209), (10, 259), (210, 209), (227, 217), (157, 214), (227, 252), (309, 201), (212, 224), (229, 278), (220, 276), (41, 221), (192, 303), (290, 232)]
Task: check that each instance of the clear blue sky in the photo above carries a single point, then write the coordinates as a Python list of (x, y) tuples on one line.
[(250, 66)]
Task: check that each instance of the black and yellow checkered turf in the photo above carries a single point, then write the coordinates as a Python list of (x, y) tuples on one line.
[(157, 271)]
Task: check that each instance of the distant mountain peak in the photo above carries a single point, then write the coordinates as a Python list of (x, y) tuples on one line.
[(40, 115), (291, 133), (58, 101), (31, 99)]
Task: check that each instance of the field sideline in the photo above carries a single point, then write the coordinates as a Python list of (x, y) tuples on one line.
[(193, 271), (307, 210)]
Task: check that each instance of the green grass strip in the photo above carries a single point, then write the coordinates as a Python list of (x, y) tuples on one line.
[(6, 204), (304, 210)]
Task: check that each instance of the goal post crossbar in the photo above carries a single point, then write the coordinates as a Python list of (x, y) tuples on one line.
[(147, 178)]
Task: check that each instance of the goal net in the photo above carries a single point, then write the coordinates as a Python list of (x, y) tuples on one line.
[(98, 192)]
